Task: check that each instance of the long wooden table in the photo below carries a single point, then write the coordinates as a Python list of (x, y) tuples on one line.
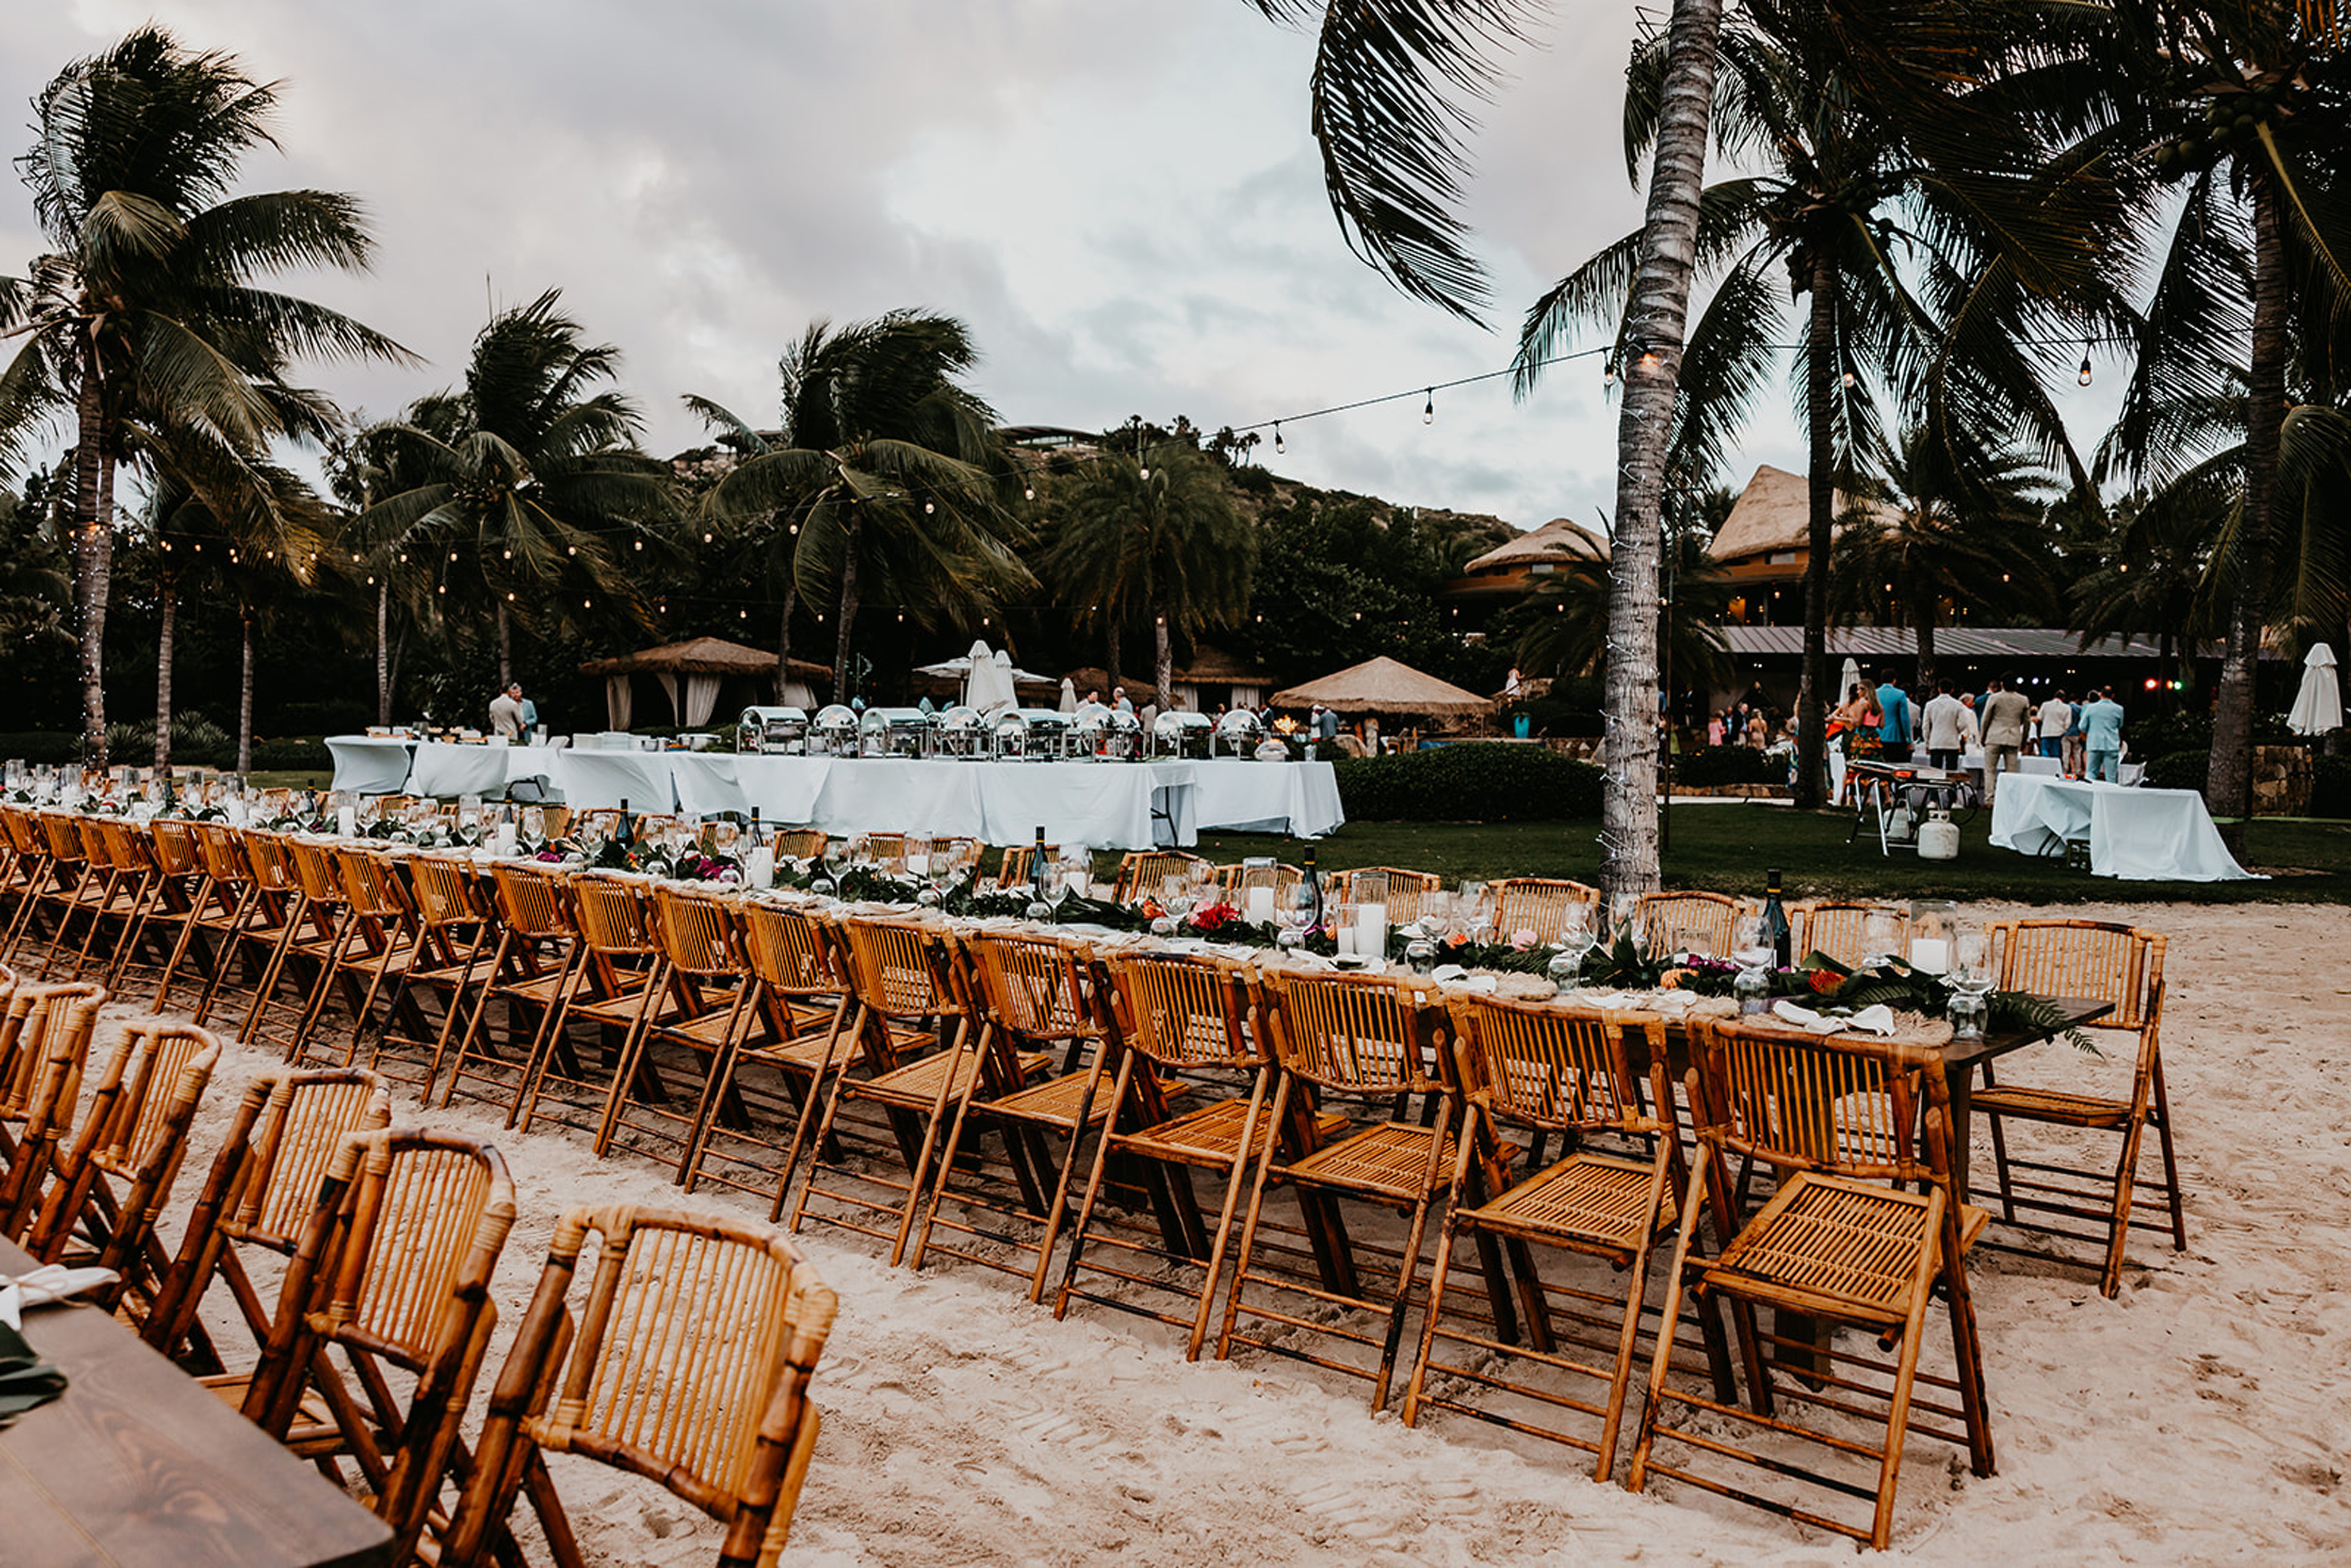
[(137, 1464)]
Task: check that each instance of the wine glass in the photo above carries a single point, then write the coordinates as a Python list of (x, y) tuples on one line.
[(1881, 934), (1971, 982), (534, 824), (1293, 911), (1624, 917), (725, 837), (1575, 941), (1175, 904), (833, 857)]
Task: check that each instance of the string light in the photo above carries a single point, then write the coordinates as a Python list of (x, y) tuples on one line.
[(1428, 409), (2081, 376), (1279, 445), (929, 508), (1851, 379), (1608, 369)]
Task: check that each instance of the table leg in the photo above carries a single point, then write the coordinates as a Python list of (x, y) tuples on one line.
[(1959, 1083)]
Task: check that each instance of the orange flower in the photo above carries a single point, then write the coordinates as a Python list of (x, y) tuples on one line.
[(1671, 980), (1824, 981)]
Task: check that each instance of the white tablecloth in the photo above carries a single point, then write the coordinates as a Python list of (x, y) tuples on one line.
[(2137, 835), (598, 779), (1297, 797), (1973, 762), (444, 769), (371, 764)]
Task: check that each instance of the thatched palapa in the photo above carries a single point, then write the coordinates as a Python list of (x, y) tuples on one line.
[(1383, 685)]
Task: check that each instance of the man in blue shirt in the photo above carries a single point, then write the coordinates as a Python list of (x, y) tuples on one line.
[(2102, 732), (1894, 730)]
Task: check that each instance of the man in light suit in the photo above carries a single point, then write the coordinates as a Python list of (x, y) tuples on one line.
[(2004, 717)]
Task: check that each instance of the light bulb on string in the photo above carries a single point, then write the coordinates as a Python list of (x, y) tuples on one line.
[(2081, 376), (1428, 409), (1608, 370), (1851, 379), (1279, 445), (929, 508), (1028, 494)]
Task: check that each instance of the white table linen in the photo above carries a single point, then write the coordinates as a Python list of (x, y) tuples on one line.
[(442, 770), (2136, 834), (1297, 797), (597, 781), (371, 764)]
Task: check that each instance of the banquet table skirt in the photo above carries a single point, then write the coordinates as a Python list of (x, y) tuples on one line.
[(1300, 799), (444, 770), (371, 764), (2137, 835), (595, 780)]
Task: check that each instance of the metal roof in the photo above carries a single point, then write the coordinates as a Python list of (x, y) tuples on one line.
[(1950, 643)]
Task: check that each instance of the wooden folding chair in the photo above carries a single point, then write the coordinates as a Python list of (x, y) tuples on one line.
[(241, 923), (1141, 873), (376, 949), (798, 843), (1836, 929), (134, 878), (1373, 1043), (1543, 906), (102, 1208), (1536, 1070), (180, 890), (1034, 998), (66, 886), (1862, 1232), (1235, 881), (800, 1005), (258, 1193), (1678, 922), (393, 1272), (672, 1060), (1017, 871), (1406, 889), (28, 868), (690, 1365), (1187, 1021), (44, 1045), (447, 930), (608, 988), (292, 991), (529, 971), (911, 990), (2084, 1203)]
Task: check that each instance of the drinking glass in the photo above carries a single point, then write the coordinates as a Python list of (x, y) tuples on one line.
[(918, 856), (1293, 911), (469, 810), (534, 824), (1880, 936)]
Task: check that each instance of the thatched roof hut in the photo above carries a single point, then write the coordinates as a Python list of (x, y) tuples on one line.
[(1384, 686), (702, 662)]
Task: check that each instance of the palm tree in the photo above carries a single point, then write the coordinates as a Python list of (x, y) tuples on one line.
[(529, 482), (1912, 275), (147, 304), (1944, 528), (1154, 535), (1565, 626), (2242, 105), (765, 547), (2153, 572), (891, 473)]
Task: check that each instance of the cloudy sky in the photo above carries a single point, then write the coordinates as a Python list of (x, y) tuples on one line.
[(1120, 197)]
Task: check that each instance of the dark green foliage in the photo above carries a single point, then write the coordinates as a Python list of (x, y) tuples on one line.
[(2178, 771), (51, 746), (1729, 765), (2330, 790), (1473, 782), (298, 755), (1253, 480)]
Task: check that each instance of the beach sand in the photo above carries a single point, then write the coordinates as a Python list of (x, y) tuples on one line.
[(2202, 1416)]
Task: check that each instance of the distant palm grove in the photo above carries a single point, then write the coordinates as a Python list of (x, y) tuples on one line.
[(1941, 211)]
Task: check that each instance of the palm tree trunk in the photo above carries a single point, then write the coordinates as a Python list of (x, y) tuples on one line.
[(166, 628), (506, 647), (784, 643), (1812, 739), (2229, 782), (1167, 666), (1109, 656), (384, 650), (93, 554), (1922, 621), (1658, 319), (848, 611), (244, 698)]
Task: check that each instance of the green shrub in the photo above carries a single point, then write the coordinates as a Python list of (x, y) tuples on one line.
[(1255, 480), (1711, 765), (2330, 786), (297, 755), (2178, 771), (329, 716), (1469, 782), (196, 742), (50, 746)]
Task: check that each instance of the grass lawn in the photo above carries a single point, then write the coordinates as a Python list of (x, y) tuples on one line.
[(1730, 847)]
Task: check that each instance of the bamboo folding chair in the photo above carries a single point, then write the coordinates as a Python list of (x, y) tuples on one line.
[(317, 925), (798, 843), (1183, 1021), (800, 1006), (1141, 874), (1540, 1070), (1034, 995), (178, 892), (446, 932), (1683, 922), (131, 880), (393, 1272), (609, 988), (259, 1193), (28, 870), (2064, 1194), (376, 947), (1862, 1232), (529, 971), (102, 1208), (44, 1045), (67, 888), (1406, 889), (689, 1363), (1374, 1042), (911, 990), (1835, 928), (1017, 871), (1235, 881), (691, 1017), (1543, 906)]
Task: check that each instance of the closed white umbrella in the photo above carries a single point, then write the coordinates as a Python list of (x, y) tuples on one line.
[(2318, 705), (991, 682), (1847, 678), (1068, 696)]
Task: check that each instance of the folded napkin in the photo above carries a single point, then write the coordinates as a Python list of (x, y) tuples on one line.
[(1876, 1020)]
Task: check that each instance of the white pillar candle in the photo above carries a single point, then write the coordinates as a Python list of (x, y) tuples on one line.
[(504, 843), (1344, 936), (759, 867), (918, 865), (347, 821), (1930, 954), (1372, 930), (1261, 905)]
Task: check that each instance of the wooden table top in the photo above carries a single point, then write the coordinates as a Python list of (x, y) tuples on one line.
[(139, 1464)]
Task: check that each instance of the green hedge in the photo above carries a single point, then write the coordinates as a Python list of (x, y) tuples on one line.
[(2330, 788), (295, 756), (1467, 783), (1729, 764), (2180, 770), (51, 746)]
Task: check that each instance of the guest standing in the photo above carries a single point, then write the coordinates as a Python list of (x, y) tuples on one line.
[(2102, 737), (2055, 717), (2004, 717), (1894, 728), (506, 712), (1942, 726)]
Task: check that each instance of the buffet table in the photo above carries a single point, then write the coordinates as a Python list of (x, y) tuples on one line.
[(371, 764), (2137, 834)]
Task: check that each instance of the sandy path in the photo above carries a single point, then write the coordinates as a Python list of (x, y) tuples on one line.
[(2202, 1416)]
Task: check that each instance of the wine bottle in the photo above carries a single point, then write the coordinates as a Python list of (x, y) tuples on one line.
[(1039, 871), (624, 831), (1775, 920), (752, 838), (1314, 883)]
